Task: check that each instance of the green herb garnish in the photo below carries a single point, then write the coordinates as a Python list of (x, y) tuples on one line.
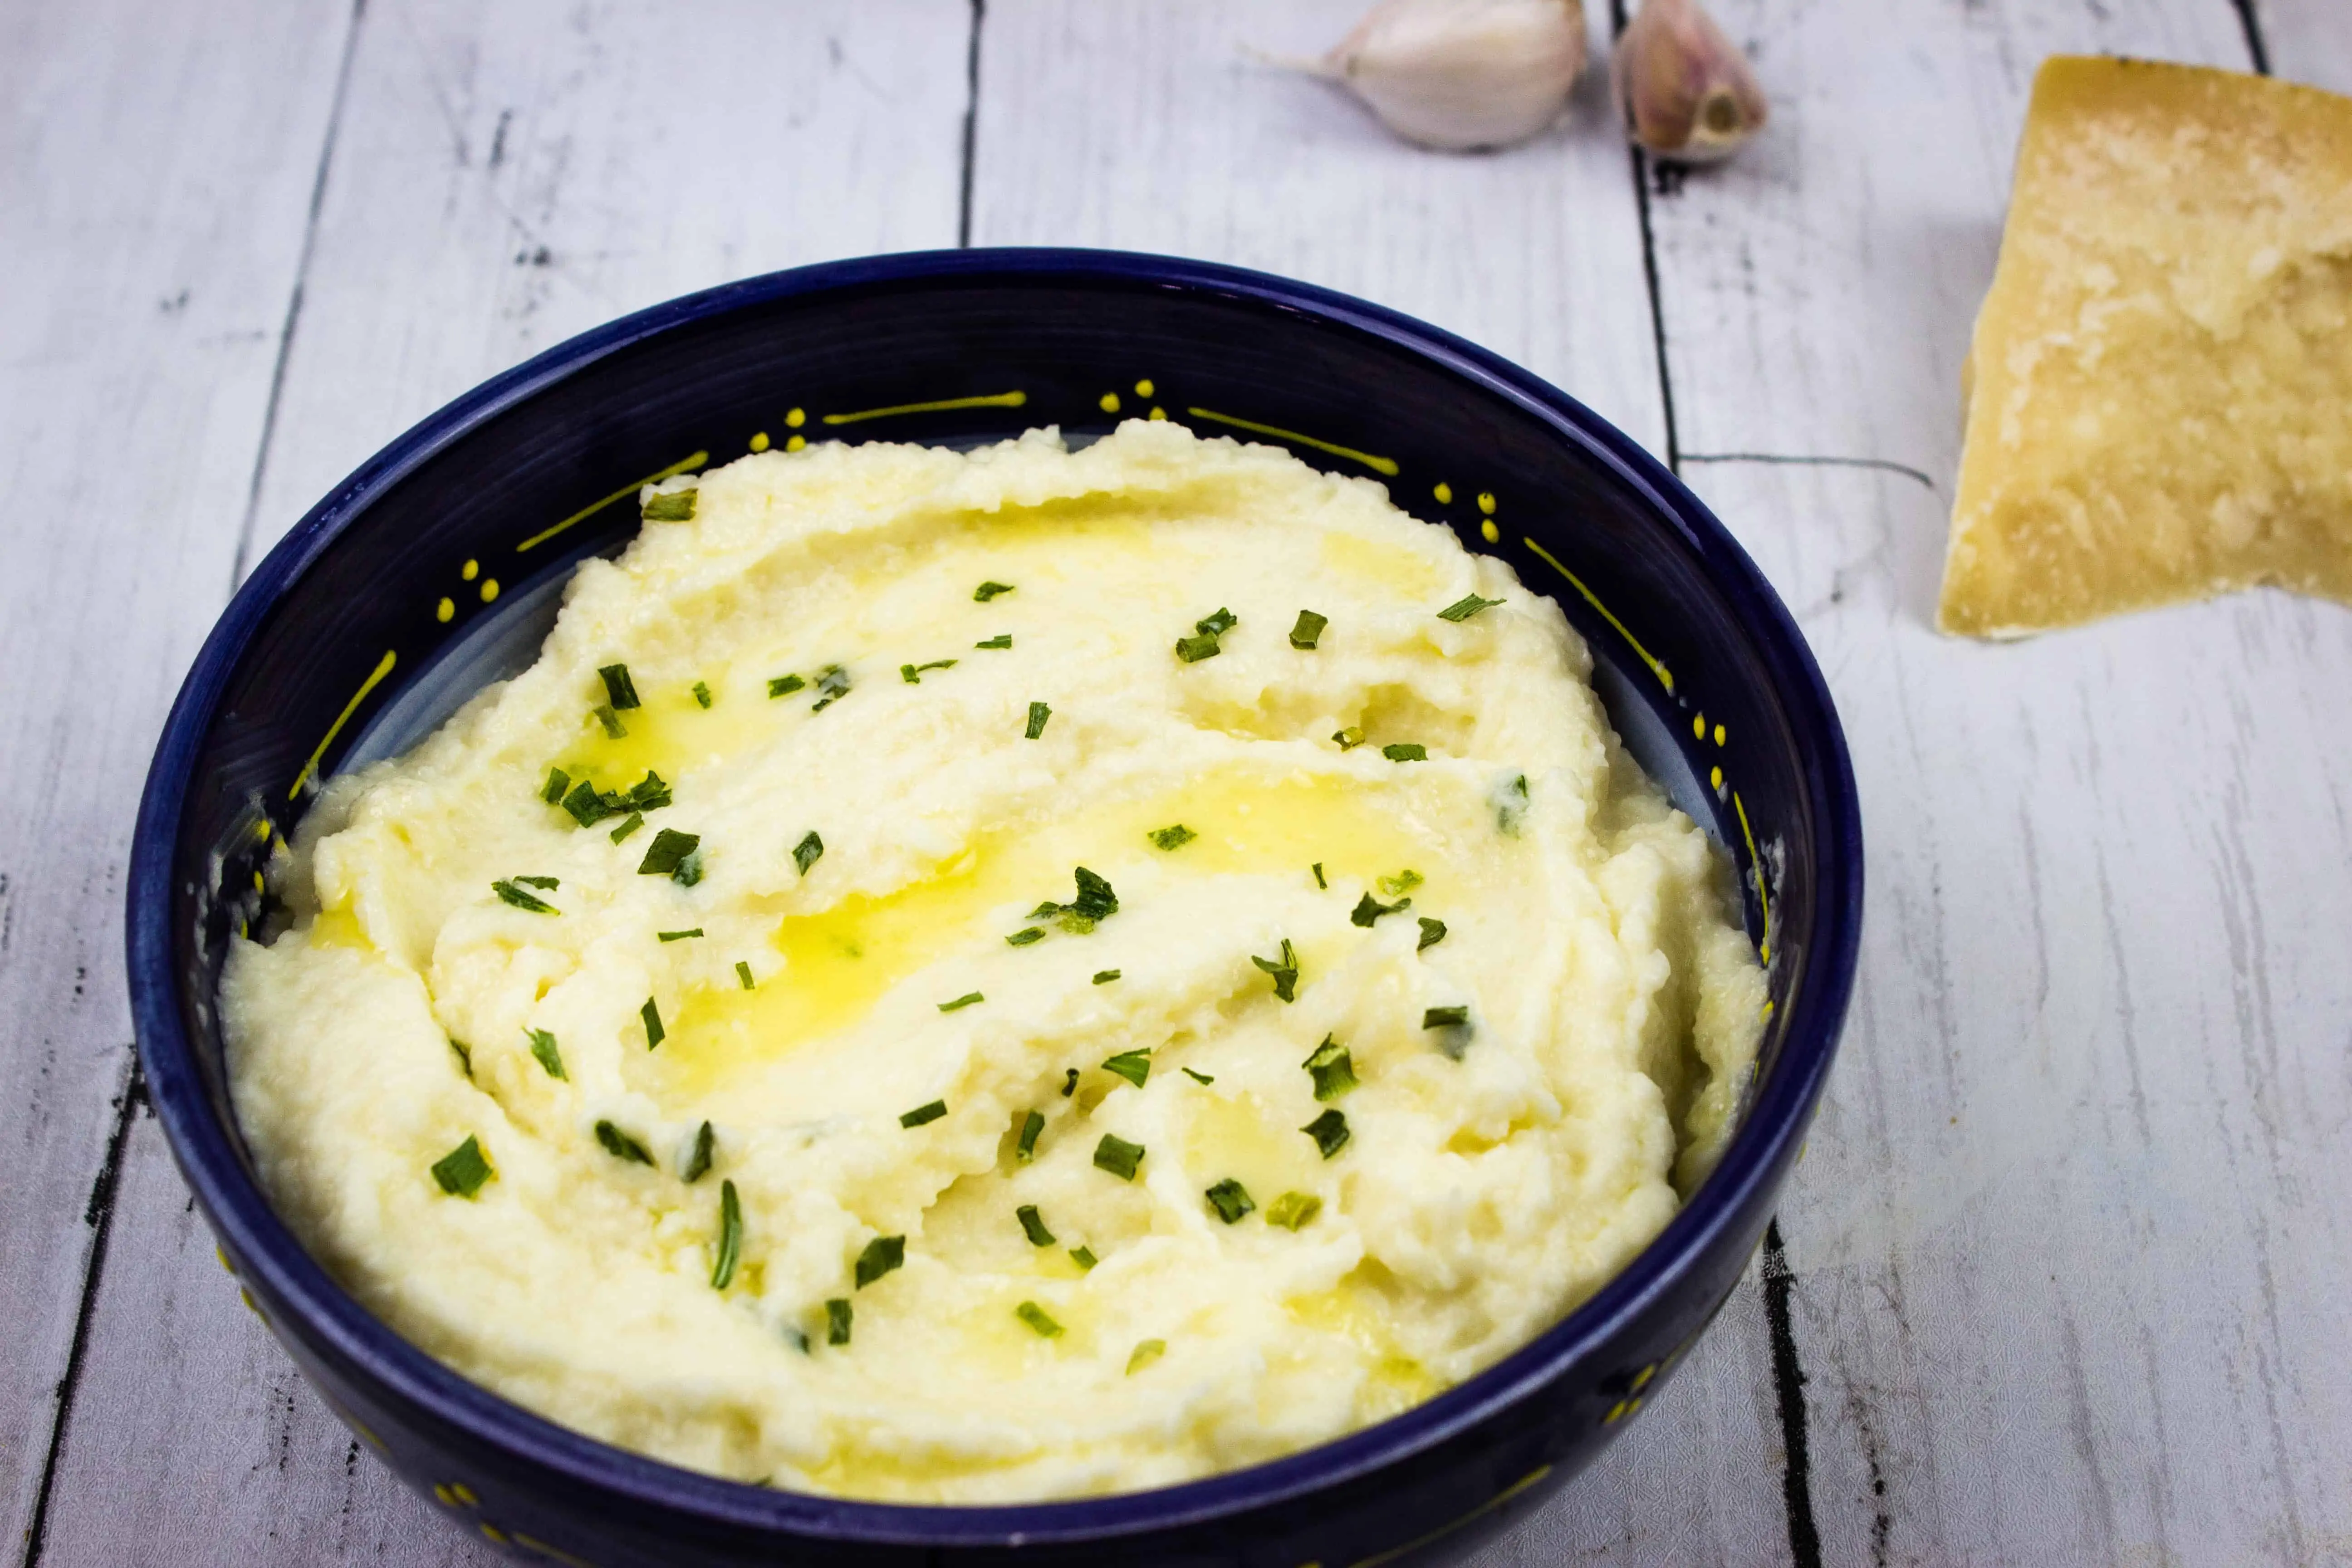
[(1332, 1068), (1330, 1132), (1308, 630), (1096, 902), (784, 685), (1432, 932), (1291, 1211), (702, 694), (637, 819), (1370, 908), (550, 883), (730, 1236), (689, 870), (1001, 639), (743, 974), (1406, 752), (620, 1145), (1284, 972), (1105, 976), (923, 1113), (1317, 869), (671, 505), (1033, 1225), (1084, 1257), (1402, 882), (1198, 1076), (650, 793), (705, 1144), (542, 1046), (1025, 936), (462, 1171), (966, 1000), (1192, 650), (1146, 1352), (1025, 1148), (680, 935), (882, 1255), (1462, 609), (1350, 738), (522, 898), (988, 590), (1446, 1017), (1038, 713), (1070, 1084), (465, 1055), (1133, 1066), (654, 1033), (1175, 837), (619, 689), (588, 804), (833, 682), (806, 853), (912, 674), (837, 1321), (558, 780), (1218, 624), (667, 852), (1511, 806), (610, 720), (1116, 1154), (1230, 1200), (1038, 1319)]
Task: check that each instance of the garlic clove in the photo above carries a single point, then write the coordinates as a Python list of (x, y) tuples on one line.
[(1458, 74), (1685, 89)]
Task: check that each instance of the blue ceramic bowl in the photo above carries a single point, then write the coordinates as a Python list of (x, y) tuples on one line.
[(434, 569)]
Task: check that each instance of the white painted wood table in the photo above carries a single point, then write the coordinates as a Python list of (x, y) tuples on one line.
[(2067, 1276)]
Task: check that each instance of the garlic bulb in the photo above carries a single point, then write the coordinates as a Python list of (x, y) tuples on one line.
[(1459, 74), (1684, 89)]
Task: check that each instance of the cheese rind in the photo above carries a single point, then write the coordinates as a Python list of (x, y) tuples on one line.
[(2159, 388)]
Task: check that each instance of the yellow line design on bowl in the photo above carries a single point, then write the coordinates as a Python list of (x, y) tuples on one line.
[(382, 667), (1379, 464), (991, 400), (1664, 678), (691, 461), (1763, 899)]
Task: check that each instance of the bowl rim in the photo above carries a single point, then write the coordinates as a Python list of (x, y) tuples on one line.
[(338, 1326)]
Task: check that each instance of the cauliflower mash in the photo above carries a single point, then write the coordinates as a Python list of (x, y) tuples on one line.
[(997, 977)]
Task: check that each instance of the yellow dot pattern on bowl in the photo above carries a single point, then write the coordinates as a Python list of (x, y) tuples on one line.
[(470, 570), (1698, 726), (1487, 502), (758, 441), (796, 419), (1143, 388), (446, 609), (1444, 493), (1109, 400), (1488, 532), (795, 442), (490, 589)]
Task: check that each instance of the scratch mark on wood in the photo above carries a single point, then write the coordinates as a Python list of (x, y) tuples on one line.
[(971, 124), (1803, 460), (1789, 1386)]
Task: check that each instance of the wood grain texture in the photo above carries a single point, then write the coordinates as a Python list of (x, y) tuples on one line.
[(2070, 1247), (155, 171)]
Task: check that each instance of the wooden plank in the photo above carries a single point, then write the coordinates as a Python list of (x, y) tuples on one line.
[(2071, 1246), (502, 178), (2307, 41), (155, 171)]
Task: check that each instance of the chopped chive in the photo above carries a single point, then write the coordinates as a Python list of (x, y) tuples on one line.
[(462, 1171), (1292, 1211), (1370, 908), (667, 852), (1446, 1017), (1116, 1155), (1133, 1066), (1045, 910), (837, 1321), (702, 694), (589, 805), (1350, 738), (912, 674), (799, 1341), (1025, 936), (705, 1144), (558, 780), (730, 1236), (1025, 1149), (1432, 932), (1308, 630), (465, 1055), (1406, 752), (1218, 624), (1001, 639), (1033, 1225), (1192, 650), (1084, 1257), (1284, 972), (654, 1033), (1146, 1351), (1105, 976), (1198, 1076), (542, 1046), (680, 935), (834, 682), (966, 1000), (1096, 902), (924, 1113), (1511, 805), (672, 506), (784, 685), (1462, 609), (636, 820), (1230, 1200), (1038, 713), (1330, 1132), (806, 853), (882, 1255), (1404, 881), (620, 1145), (1317, 869), (550, 883), (689, 870), (522, 899), (1037, 1317), (619, 689), (743, 974), (610, 720), (988, 590), (1332, 1068), (650, 793), (1070, 1084), (1175, 837)]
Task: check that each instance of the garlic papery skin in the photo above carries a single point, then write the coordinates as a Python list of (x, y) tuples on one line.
[(1459, 74), (1684, 89)]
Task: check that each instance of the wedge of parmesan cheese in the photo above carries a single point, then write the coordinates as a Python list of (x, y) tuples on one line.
[(2160, 390)]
